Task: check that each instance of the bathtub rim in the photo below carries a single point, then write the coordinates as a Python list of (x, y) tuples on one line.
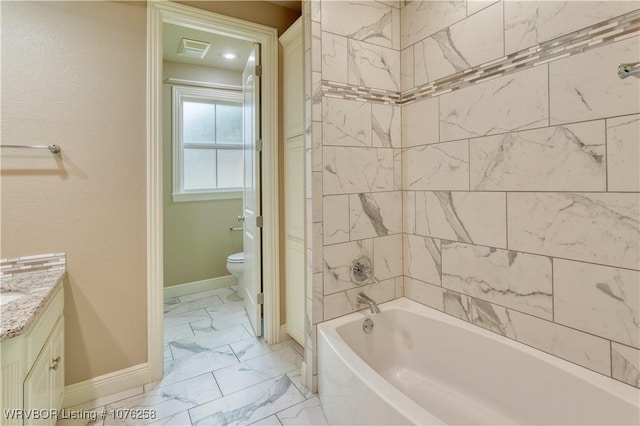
[(413, 411), (365, 373)]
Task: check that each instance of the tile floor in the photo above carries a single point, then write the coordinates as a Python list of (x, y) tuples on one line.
[(216, 372)]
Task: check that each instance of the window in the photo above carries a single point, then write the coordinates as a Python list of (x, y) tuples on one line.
[(207, 141)]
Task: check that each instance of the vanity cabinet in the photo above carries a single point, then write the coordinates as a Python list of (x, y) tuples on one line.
[(44, 385), (33, 368)]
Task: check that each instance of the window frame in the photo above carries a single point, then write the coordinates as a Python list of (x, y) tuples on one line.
[(180, 94)]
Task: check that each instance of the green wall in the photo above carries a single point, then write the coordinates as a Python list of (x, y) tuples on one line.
[(197, 239)]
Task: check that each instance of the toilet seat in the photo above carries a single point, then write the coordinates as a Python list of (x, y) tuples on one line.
[(236, 258)]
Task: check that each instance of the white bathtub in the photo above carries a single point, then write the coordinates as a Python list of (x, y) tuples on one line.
[(420, 366)]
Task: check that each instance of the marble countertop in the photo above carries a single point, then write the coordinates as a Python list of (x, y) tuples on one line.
[(18, 314)]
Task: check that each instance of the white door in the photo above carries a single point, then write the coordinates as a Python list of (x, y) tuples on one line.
[(251, 193)]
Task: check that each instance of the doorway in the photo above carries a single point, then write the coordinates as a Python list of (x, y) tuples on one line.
[(159, 14)]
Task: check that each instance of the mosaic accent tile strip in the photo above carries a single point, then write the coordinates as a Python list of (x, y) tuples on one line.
[(595, 36), (39, 263), (359, 93)]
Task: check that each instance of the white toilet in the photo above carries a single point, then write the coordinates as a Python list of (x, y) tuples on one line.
[(235, 265)]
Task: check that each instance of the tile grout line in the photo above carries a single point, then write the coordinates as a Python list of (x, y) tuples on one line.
[(472, 138), (526, 344), (553, 292), (504, 28), (528, 314), (611, 358), (529, 51), (548, 65), (606, 154), (506, 219)]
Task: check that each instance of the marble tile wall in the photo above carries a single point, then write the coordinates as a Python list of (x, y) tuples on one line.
[(484, 154), (354, 142), (521, 211)]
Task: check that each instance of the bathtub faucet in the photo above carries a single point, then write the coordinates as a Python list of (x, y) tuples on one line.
[(366, 300)]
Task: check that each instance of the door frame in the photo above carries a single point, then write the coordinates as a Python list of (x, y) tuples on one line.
[(159, 12)]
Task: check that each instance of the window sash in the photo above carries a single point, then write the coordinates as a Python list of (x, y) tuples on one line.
[(211, 96), (211, 146)]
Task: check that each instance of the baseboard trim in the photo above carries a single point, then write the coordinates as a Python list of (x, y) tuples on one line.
[(198, 286), (105, 385), (303, 375), (285, 334)]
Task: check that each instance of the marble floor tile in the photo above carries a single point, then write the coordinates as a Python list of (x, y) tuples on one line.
[(296, 378), (177, 332), (249, 405), (225, 309), (180, 419), (205, 341), (269, 421), (250, 348), (200, 336), (168, 400), (225, 293), (257, 370), (194, 365), (171, 301), (167, 353), (255, 347), (295, 345), (195, 296), (229, 295), (173, 319), (219, 322), (307, 412), (176, 308)]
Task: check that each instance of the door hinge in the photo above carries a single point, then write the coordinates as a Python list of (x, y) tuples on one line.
[(260, 299), (259, 70), (259, 221), (259, 145)]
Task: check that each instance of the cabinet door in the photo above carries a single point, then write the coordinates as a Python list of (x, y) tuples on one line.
[(37, 391), (44, 385), (56, 344)]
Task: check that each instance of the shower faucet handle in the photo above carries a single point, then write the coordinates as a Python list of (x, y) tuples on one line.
[(362, 271)]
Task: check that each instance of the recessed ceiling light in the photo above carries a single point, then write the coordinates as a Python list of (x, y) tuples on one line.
[(193, 48), (229, 55)]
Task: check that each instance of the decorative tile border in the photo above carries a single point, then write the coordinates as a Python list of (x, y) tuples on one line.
[(359, 93), (594, 36), (39, 263)]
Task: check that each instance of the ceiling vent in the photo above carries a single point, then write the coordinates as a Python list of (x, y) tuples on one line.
[(193, 48)]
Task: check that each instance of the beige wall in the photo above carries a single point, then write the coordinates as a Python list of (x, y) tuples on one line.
[(74, 74), (197, 239), (259, 12)]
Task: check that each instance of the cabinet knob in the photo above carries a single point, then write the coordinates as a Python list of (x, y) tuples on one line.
[(56, 363)]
